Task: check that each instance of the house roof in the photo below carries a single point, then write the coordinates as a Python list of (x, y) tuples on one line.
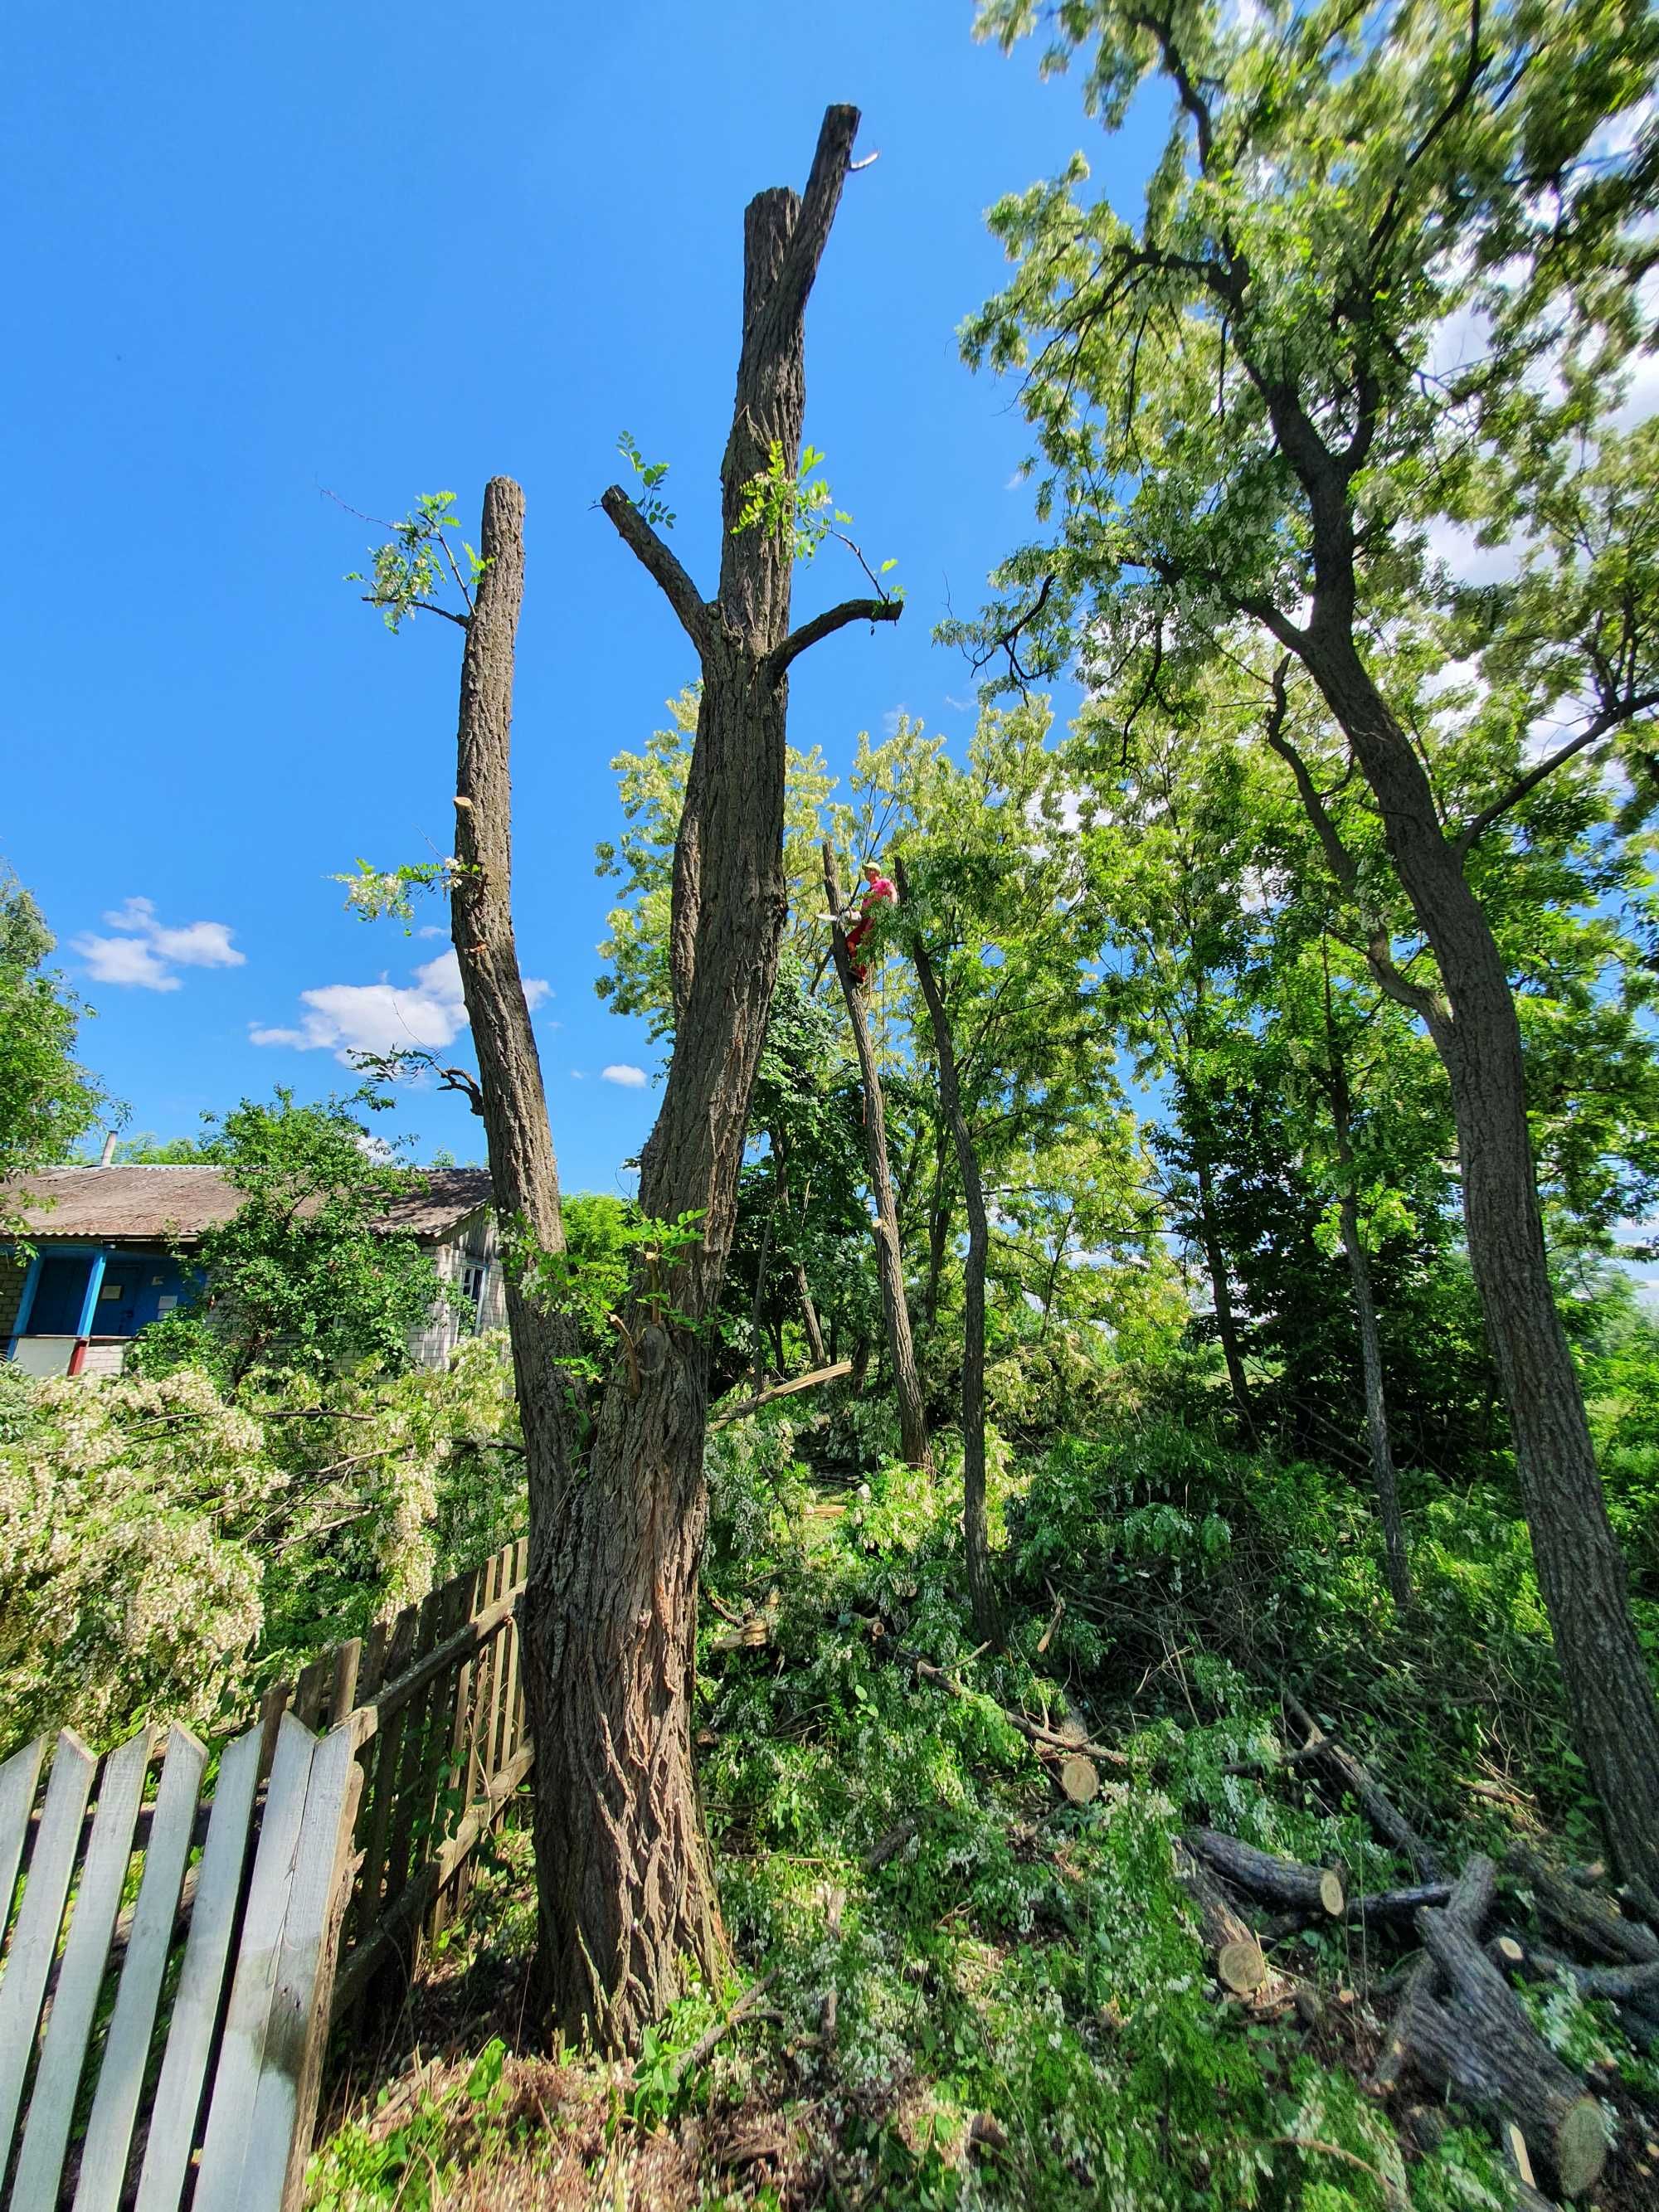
[(132, 1205)]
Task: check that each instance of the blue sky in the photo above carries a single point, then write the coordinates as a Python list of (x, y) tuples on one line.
[(263, 254)]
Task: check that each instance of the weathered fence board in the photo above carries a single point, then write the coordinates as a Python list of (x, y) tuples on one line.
[(126, 2047), (323, 1861), (80, 1974), (34, 1939), (207, 1954)]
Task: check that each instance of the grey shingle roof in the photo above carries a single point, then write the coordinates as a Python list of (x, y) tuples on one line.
[(178, 1204)]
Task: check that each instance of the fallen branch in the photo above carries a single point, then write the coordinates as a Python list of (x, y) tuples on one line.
[(781, 1390), (1046, 1739), (701, 2051), (1379, 1809)]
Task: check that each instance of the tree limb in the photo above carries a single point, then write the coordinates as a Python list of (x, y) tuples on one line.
[(825, 625), (426, 606), (662, 566), (1609, 718)]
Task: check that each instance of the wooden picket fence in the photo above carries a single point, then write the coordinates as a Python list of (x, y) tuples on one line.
[(164, 2016)]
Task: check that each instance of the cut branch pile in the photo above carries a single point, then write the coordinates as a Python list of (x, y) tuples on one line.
[(1461, 2026)]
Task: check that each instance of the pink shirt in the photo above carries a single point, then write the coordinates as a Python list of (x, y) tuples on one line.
[(881, 888)]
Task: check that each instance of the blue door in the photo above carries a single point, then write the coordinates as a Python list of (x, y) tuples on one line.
[(60, 1292), (138, 1287)]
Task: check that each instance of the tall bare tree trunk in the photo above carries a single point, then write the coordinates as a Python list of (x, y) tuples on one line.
[(524, 1176), (939, 1237), (987, 1624), (890, 1258), (1581, 1570), (624, 1879)]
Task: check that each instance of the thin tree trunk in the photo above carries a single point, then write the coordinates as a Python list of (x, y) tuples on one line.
[(1581, 1570), (1221, 1292), (890, 1258), (809, 1312), (1364, 1305), (624, 1879), (939, 1234), (987, 1624)]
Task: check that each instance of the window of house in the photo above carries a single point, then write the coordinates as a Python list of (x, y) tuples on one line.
[(475, 1281)]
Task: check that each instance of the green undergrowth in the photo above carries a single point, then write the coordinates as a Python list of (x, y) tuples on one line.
[(980, 1994)]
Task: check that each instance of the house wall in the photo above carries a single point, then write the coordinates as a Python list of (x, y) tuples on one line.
[(13, 1273), (473, 1245)]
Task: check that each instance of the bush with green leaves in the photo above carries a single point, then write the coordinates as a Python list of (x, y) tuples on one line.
[(301, 1278), (169, 1549)]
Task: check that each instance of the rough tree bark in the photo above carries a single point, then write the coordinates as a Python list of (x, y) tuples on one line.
[(889, 1256), (625, 1886), (523, 1175), (1474, 1028), (1378, 1438), (987, 1624)]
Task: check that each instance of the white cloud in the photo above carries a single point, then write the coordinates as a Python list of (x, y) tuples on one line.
[(1469, 562), (891, 719), (347, 1017), (146, 953), (631, 1079)]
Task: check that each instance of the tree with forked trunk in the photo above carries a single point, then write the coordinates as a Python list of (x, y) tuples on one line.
[(617, 1500), (609, 1612)]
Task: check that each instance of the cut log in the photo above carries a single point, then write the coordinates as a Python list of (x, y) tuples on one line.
[(1368, 1793), (1591, 1921), (1284, 1882), (1471, 1900), (1388, 1909), (1480, 2045), (1630, 1985), (1240, 1963), (1079, 1778), (1395, 1907)]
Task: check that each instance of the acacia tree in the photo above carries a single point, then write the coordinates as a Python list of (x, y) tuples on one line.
[(1243, 401), (619, 1505)]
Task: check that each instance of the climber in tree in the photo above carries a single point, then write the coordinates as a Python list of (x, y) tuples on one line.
[(879, 889)]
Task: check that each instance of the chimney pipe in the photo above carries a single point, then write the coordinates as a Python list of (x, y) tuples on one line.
[(108, 1152)]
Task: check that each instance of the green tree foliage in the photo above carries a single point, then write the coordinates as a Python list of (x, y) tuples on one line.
[(301, 1278), (47, 1101)]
